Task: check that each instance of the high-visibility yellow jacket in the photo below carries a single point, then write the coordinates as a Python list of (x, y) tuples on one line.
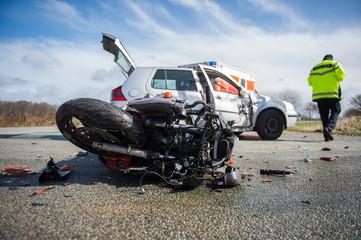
[(324, 79)]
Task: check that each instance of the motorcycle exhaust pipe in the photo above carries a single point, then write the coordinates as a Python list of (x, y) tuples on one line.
[(131, 151)]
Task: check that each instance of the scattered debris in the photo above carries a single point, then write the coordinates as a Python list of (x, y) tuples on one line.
[(306, 202), (328, 158), (275, 172), (240, 156), (291, 167), (68, 196), (40, 191), (326, 149), (217, 190), (80, 154), (225, 205), (66, 184), (266, 180), (54, 172), (33, 143), (17, 170), (306, 158), (310, 179), (13, 188), (37, 204), (346, 147), (246, 174)]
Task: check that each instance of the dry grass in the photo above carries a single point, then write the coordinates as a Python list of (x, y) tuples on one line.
[(349, 126), (345, 126), (26, 114)]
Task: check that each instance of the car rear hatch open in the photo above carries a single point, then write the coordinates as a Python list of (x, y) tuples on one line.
[(121, 57)]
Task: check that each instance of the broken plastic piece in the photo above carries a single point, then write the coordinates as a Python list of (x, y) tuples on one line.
[(54, 172), (306, 158), (80, 154), (37, 204), (266, 180), (326, 149), (17, 170), (232, 177), (275, 172), (40, 191), (328, 158)]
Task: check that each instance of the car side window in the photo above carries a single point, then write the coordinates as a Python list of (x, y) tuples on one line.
[(159, 80), (221, 85), (174, 80)]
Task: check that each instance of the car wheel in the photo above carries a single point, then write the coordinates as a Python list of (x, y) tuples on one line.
[(270, 124)]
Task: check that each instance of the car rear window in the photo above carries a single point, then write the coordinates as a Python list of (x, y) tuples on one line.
[(174, 80)]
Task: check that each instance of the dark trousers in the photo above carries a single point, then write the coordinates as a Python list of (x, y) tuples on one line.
[(329, 109)]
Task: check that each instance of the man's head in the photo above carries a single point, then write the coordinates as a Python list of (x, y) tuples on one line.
[(327, 57)]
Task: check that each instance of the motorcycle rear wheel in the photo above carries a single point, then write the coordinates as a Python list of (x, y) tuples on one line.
[(85, 120)]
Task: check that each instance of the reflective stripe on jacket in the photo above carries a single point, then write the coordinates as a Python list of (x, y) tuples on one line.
[(324, 79)]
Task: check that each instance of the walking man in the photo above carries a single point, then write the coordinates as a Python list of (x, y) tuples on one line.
[(325, 80)]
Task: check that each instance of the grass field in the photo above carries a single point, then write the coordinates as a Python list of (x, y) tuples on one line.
[(345, 126)]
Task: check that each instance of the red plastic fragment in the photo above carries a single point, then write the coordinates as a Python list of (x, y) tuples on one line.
[(40, 191), (66, 168), (328, 158), (266, 180), (17, 170)]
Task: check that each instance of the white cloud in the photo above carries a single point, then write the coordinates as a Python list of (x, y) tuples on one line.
[(281, 9), (66, 13), (54, 83)]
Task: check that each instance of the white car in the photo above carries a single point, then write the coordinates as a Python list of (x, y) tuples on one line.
[(243, 109)]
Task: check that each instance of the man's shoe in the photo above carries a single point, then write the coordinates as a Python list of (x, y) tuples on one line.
[(327, 135)]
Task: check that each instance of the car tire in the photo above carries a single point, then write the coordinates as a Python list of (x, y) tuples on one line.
[(270, 124), (97, 121)]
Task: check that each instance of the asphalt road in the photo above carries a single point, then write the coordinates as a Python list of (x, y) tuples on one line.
[(321, 201)]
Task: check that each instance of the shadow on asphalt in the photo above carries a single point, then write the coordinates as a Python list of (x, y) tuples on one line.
[(253, 137), (88, 171), (27, 136)]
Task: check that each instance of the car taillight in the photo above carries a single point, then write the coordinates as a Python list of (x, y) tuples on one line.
[(117, 94)]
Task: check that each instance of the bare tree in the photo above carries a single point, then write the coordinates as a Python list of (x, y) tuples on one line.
[(356, 102), (311, 108), (355, 106)]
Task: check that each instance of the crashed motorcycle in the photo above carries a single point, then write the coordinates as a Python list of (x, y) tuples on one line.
[(184, 144)]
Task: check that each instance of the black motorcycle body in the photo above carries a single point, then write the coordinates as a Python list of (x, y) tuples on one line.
[(179, 142)]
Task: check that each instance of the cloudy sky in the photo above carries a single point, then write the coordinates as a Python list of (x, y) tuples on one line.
[(51, 51)]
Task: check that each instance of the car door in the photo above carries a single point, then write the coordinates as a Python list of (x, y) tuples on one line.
[(226, 95), (112, 45), (181, 83)]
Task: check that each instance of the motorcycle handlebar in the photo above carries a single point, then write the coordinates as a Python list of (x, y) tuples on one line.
[(205, 107), (195, 104)]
